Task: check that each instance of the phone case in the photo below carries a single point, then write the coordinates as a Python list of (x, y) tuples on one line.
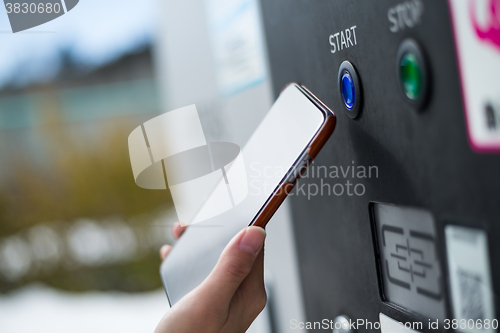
[(306, 158)]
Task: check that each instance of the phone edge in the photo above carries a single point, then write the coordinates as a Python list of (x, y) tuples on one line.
[(315, 145)]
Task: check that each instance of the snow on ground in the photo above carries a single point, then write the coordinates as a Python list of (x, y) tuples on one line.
[(41, 309)]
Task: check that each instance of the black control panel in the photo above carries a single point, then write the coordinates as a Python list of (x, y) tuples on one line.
[(410, 225)]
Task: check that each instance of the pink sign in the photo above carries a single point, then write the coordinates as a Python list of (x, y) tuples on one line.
[(490, 33), (476, 26)]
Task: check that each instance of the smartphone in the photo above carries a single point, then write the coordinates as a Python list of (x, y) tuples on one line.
[(276, 155)]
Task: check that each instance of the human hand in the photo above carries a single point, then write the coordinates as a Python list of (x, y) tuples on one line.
[(232, 295)]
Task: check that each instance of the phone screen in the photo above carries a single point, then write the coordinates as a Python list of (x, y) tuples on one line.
[(271, 151)]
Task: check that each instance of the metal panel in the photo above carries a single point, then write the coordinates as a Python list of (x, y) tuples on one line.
[(423, 158)]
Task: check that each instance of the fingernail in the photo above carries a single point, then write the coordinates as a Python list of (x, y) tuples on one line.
[(253, 240)]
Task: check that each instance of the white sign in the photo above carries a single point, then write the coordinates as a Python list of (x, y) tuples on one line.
[(469, 271), (389, 325), (237, 44)]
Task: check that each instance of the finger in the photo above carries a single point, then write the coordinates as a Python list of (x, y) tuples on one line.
[(253, 286), (178, 230), (234, 265), (250, 298), (164, 251)]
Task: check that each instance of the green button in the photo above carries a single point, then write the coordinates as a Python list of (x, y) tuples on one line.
[(411, 76)]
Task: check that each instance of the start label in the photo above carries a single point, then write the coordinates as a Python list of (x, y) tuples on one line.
[(343, 39)]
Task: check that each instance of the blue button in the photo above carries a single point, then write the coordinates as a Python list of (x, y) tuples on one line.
[(348, 90)]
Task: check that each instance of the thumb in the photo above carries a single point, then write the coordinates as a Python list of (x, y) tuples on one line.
[(234, 265)]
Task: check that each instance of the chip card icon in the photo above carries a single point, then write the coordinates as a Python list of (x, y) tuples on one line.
[(204, 179)]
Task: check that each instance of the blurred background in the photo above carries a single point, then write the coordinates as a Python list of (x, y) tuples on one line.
[(78, 239)]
